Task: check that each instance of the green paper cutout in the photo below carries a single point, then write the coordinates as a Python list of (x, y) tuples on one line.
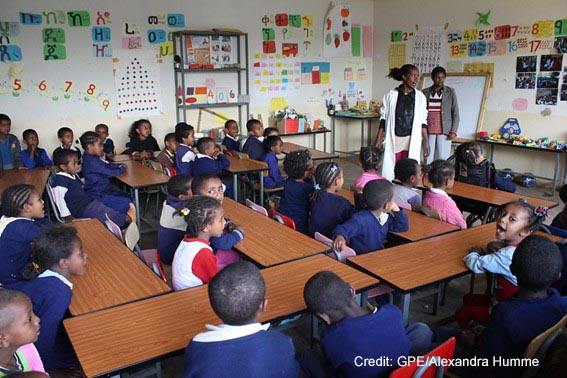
[(482, 19), (355, 43)]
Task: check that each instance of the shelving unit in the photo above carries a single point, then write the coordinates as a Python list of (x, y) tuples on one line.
[(203, 52)]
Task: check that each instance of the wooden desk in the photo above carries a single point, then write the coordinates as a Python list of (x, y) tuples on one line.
[(119, 338), (139, 176), (114, 275), (420, 226), (348, 117), (238, 166), (266, 241), (315, 154), (120, 158), (36, 177)]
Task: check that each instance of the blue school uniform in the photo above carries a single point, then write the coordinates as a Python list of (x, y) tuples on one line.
[(227, 240), (171, 228), (254, 148), (16, 235), (274, 178), (97, 174), (328, 212), (184, 157), (205, 164), (366, 233), (295, 203), (108, 146), (51, 294), (38, 160), (10, 153), (231, 144)]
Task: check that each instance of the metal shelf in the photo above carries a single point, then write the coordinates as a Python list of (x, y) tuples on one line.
[(225, 105)]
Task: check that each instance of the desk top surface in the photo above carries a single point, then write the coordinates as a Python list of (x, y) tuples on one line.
[(114, 274), (315, 154), (245, 165), (36, 177), (266, 241), (138, 175), (109, 340), (121, 157)]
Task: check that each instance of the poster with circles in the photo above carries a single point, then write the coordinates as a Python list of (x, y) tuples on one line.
[(136, 79)]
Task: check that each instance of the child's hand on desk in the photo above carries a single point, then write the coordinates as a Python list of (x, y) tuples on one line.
[(144, 154), (339, 243), (229, 227), (494, 246), (477, 249)]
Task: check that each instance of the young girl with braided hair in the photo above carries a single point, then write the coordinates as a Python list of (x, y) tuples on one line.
[(194, 263), (328, 209), (370, 159)]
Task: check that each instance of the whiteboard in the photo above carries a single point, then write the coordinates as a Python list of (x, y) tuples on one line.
[(472, 91)]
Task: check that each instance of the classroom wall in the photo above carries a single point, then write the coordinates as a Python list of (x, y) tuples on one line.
[(392, 15), (39, 110)]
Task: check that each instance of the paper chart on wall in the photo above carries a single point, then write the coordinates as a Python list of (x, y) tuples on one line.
[(337, 41), (429, 48), (137, 83), (397, 55), (275, 75)]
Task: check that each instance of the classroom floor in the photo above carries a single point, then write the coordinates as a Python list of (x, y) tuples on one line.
[(421, 303)]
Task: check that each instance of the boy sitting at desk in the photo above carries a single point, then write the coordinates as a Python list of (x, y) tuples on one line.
[(240, 347), (253, 145), (211, 160), (354, 333), (231, 141)]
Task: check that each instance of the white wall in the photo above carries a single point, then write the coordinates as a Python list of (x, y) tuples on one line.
[(461, 14)]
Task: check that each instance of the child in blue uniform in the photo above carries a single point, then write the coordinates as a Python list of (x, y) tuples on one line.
[(240, 347), (253, 145), (274, 146), (294, 201), (354, 333), (230, 140), (98, 173), (33, 156), (184, 157), (328, 209), (366, 230), (21, 223), (141, 140), (72, 200), (10, 150), (57, 255), (209, 159), (107, 144), (66, 138)]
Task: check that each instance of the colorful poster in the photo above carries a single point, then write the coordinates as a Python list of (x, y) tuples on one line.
[(286, 34), (397, 55), (315, 72), (337, 41), (275, 75), (429, 48)]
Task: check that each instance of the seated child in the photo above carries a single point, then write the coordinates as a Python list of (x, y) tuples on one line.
[(172, 225), (167, 156), (230, 140), (209, 159), (194, 263), (354, 332), (19, 329), (294, 201), (66, 138), (441, 175), (10, 150), (273, 147), (98, 172), (141, 140), (408, 172), (253, 145), (560, 220), (72, 200), (184, 157), (268, 132), (107, 144), (514, 222), (21, 223), (240, 345), (370, 159), (328, 209), (366, 230), (57, 254), (33, 156)]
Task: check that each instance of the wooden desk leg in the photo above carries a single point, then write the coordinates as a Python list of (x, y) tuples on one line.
[(403, 303), (261, 174), (235, 186)]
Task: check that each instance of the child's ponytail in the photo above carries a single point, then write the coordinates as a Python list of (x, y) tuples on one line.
[(325, 176)]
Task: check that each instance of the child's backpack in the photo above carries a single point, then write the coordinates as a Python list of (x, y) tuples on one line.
[(468, 172)]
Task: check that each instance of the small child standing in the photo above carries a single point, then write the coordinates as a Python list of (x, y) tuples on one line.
[(240, 345), (231, 141), (274, 146), (184, 157), (408, 173), (21, 223), (19, 329), (33, 156), (167, 156), (66, 138), (441, 175), (514, 222), (328, 209), (209, 160), (10, 150), (294, 201), (194, 263), (366, 230), (57, 254), (141, 140), (370, 159), (98, 172), (107, 144), (253, 145)]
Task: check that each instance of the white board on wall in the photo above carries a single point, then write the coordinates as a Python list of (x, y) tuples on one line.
[(472, 92)]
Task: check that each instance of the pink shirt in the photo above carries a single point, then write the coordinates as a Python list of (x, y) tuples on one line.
[(439, 201), (363, 179), (32, 357)]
